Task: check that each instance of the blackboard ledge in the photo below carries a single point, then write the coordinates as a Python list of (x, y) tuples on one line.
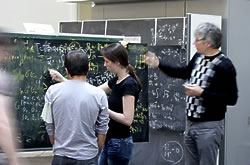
[(44, 152), (31, 157), (29, 154), (62, 36)]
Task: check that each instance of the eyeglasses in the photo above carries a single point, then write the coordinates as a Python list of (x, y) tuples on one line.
[(198, 39)]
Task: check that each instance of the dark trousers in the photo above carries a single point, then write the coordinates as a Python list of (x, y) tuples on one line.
[(62, 160), (202, 142)]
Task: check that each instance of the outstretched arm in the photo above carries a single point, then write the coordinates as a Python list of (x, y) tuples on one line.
[(55, 75), (151, 59)]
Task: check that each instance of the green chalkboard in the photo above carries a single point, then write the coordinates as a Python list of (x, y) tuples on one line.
[(33, 56)]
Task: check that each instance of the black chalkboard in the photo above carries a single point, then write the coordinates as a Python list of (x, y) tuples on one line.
[(70, 27), (166, 113), (165, 147), (170, 31), (166, 37), (140, 125), (166, 94), (94, 27), (29, 64), (140, 27)]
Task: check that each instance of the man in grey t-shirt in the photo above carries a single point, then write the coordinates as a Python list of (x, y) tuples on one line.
[(76, 115)]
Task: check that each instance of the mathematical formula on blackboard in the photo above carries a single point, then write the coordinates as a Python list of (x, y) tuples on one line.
[(30, 63)]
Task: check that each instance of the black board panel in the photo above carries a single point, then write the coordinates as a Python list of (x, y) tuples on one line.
[(94, 27), (166, 94), (170, 31), (144, 28), (29, 64), (70, 27)]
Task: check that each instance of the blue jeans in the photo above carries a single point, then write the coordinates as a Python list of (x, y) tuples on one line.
[(63, 160), (116, 151), (202, 141)]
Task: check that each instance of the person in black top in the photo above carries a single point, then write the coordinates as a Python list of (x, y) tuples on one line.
[(124, 91), (210, 87)]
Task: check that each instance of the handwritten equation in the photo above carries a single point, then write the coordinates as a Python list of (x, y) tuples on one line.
[(30, 63), (172, 152), (140, 123), (166, 94), (170, 31)]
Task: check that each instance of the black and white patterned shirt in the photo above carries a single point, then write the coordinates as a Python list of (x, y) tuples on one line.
[(217, 76), (201, 75)]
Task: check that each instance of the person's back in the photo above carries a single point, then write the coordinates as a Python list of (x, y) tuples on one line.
[(76, 106), (78, 115)]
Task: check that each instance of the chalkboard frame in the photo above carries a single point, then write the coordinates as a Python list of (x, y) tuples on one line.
[(80, 37)]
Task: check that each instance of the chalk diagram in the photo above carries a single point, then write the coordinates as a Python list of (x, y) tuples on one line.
[(172, 152)]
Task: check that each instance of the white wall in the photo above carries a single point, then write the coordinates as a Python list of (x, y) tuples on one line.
[(238, 117), (139, 10), (13, 13)]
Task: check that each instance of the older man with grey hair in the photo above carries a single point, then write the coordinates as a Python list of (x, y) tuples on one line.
[(211, 86)]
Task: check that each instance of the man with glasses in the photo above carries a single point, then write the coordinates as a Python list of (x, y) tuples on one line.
[(210, 87)]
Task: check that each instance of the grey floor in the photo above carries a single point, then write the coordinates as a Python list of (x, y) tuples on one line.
[(38, 161), (44, 160)]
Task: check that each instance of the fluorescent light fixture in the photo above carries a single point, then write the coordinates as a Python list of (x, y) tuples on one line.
[(72, 1)]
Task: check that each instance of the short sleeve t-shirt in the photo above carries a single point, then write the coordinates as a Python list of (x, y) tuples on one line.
[(128, 86)]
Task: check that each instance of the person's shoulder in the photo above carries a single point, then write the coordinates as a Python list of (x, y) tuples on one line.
[(197, 55), (226, 60), (112, 81), (95, 89), (130, 81), (226, 64), (57, 86)]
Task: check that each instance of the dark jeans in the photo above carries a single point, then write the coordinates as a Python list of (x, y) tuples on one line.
[(116, 151), (62, 160)]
